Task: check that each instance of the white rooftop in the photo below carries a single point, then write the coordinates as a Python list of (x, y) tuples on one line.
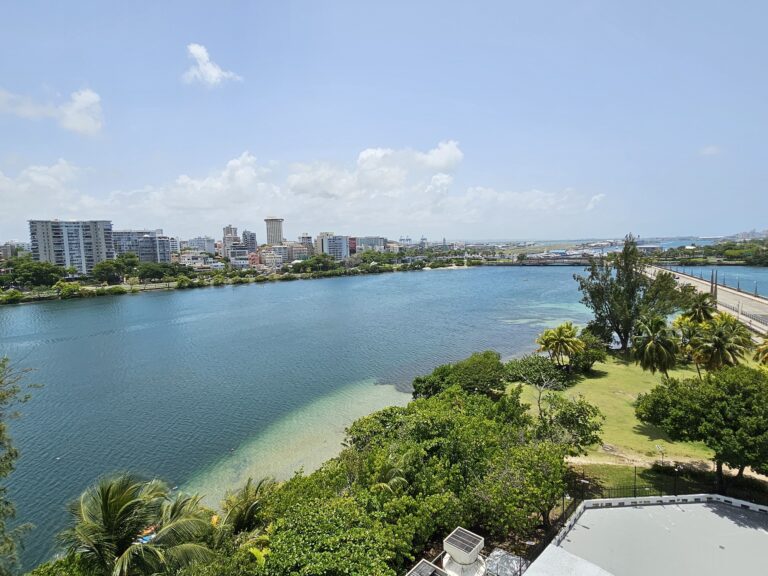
[(640, 537)]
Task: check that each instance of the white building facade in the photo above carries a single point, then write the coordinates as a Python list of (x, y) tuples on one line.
[(79, 244)]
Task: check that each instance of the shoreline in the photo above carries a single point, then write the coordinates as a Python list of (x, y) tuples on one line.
[(300, 441), (132, 289)]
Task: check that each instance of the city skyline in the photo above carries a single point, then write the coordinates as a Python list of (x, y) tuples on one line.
[(517, 121)]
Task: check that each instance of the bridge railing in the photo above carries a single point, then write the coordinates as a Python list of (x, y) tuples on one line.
[(762, 320), (751, 294)]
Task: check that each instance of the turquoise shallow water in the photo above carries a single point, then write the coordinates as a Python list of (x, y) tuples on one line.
[(205, 387)]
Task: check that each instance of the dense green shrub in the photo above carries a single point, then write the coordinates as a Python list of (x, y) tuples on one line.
[(538, 371), (594, 351), (481, 373), (68, 290), (11, 297), (69, 565)]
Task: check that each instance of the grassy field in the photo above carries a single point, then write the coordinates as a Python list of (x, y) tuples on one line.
[(614, 389)]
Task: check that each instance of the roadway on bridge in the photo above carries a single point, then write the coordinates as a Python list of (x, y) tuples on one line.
[(751, 310)]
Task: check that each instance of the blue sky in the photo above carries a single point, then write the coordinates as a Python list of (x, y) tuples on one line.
[(471, 120)]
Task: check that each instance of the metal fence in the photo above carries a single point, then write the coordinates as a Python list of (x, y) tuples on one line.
[(759, 318)]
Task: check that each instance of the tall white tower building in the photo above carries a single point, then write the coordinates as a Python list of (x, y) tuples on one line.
[(274, 230)]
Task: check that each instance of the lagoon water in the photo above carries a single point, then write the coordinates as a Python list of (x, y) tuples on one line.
[(206, 387), (747, 278)]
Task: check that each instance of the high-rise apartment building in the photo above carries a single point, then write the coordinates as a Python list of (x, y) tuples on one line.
[(230, 230), (335, 246), (203, 244), (274, 230), (79, 244), (148, 245), (250, 241), (230, 238)]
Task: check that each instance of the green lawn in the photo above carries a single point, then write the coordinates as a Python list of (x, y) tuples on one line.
[(614, 389)]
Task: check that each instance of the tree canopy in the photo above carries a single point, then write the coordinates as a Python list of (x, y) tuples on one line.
[(727, 410), (27, 273), (127, 526), (12, 392), (618, 292), (481, 373)]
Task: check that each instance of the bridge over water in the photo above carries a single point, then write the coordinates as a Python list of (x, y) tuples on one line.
[(750, 309)]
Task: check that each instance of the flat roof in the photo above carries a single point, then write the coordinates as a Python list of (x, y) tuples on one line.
[(697, 539)]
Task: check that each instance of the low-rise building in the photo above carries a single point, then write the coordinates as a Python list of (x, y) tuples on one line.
[(271, 260), (7, 250), (299, 252), (237, 250), (283, 251), (375, 243)]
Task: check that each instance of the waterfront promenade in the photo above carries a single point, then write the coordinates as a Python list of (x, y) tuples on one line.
[(751, 310)]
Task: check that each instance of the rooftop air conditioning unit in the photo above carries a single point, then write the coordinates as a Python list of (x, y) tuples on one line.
[(462, 556)]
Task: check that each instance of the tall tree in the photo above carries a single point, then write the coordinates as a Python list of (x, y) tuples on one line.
[(109, 271), (618, 292), (29, 273), (723, 341), (126, 526), (654, 345), (128, 261), (571, 422), (727, 410), (12, 393), (560, 343)]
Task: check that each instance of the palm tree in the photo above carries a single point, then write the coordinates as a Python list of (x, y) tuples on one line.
[(723, 341), (126, 526), (391, 477), (686, 330), (560, 342), (687, 333), (701, 308), (761, 354), (242, 507), (654, 345)]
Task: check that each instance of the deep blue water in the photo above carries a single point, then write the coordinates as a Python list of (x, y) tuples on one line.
[(166, 383), (746, 278)]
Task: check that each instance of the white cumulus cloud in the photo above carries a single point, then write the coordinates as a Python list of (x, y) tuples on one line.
[(385, 191), (205, 70), (594, 201), (82, 113)]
